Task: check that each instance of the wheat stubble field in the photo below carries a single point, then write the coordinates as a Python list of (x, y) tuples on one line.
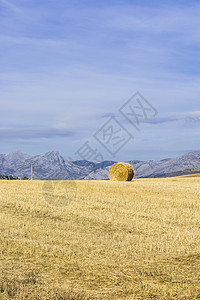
[(107, 240)]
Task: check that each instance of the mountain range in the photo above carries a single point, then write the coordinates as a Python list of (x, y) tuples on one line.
[(52, 166)]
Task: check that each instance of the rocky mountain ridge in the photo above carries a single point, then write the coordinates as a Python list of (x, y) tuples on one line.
[(52, 166)]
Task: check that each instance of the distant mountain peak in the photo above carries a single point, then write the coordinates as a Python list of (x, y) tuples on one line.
[(83, 163), (53, 152), (18, 152), (18, 155)]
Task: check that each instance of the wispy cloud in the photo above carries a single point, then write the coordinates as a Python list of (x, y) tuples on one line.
[(188, 118), (32, 133)]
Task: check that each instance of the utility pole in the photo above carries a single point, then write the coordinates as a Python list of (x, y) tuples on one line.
[(31, 172), (31, 164)]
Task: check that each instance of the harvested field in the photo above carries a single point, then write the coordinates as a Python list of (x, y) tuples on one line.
[(100, 239)]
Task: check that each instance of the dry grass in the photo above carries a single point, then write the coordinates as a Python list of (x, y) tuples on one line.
[(121, 172), (111, 240), (191, 175)]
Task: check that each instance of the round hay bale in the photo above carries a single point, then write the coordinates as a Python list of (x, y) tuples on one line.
[(121, 172)]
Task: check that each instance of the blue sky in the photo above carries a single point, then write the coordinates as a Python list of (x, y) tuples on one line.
[(68, 66)]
